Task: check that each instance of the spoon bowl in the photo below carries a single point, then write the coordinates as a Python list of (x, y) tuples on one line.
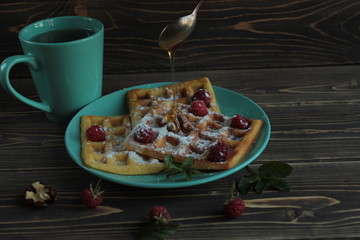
[(176, 32)]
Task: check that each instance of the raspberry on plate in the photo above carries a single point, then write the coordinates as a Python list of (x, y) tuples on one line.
[(239, 121), (198, 108), (144, 134), (159, 213), (202, 95), (219, 152), (95, 133)]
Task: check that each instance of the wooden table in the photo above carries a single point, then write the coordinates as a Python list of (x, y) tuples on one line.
[(315, 118)]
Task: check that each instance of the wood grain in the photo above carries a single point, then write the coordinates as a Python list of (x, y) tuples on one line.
[(314, 113), (269, 51), (315, 208), (229, 34)]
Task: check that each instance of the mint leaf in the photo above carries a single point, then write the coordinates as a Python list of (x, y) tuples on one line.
[(260, 186), (276, 168), (244, 185), (170, 162), (279, 184), (175, 168), (187, 163), (269, 175), (156, 231)]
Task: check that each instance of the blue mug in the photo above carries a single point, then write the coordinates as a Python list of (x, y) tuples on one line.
[(65, 58)]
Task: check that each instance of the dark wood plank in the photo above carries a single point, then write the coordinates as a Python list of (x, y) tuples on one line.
[(306, 115), (229, 35), (315, 119), (315, 208)]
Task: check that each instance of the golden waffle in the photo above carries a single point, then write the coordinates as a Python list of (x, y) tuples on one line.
[(140, 101), (109, 155), (194, 136)]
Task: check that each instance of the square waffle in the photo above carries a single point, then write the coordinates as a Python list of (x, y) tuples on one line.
[(109, 155), (193, 137), (140, 101)]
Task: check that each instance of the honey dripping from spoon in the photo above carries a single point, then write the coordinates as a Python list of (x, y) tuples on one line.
[(171, 115), (171, 37)]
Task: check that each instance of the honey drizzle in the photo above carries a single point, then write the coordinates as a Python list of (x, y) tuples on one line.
[(171, 115), (171, 54)]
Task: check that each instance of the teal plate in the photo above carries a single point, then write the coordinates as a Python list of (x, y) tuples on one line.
[(113, 104)]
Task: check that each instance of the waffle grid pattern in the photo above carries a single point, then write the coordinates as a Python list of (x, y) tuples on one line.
[(140, 101), (192, 136), (109, 155)]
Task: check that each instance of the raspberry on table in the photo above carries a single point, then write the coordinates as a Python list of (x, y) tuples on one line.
[(144, 134), (198, 108), (234, 208), (239, 121), (95, 133), (219, 152), (159, 213), (90, 200), (202, 95), (92, 197)]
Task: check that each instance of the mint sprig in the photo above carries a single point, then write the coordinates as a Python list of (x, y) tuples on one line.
[(175, 168), (156, 231), (269, 176)]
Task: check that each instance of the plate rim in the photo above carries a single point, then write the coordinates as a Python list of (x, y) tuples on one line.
[(164, 185)]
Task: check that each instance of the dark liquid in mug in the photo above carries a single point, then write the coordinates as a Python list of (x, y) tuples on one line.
[(62, 35)]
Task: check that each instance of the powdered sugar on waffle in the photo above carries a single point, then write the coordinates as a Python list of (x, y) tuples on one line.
[(140, 160), (183, 143)]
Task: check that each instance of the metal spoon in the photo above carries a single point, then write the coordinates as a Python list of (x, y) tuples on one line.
[(176, 32)]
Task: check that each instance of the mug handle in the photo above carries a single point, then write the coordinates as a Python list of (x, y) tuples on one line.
[(5, 68)]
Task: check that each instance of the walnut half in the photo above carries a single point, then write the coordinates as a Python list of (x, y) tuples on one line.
[(40, 194)]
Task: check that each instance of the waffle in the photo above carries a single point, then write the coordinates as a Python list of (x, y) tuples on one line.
[(140, 101), (193, 137), (109, 155)]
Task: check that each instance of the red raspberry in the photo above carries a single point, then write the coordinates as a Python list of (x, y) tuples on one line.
[(159, 213), (202, 95), (234, 208), (219, 152), (92, 197), (95, 133), (239, 121), (198, 108), (144, 134)]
